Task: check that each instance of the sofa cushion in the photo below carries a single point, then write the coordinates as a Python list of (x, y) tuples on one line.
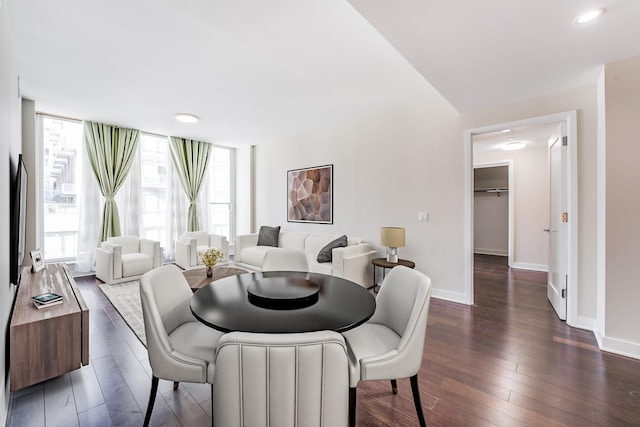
[(268, 236), (316, 267), (293, 240), (315, 242), (136, 264), (254, 255), (326, 253)]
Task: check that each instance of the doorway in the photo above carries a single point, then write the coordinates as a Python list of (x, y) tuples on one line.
[(567, 121)]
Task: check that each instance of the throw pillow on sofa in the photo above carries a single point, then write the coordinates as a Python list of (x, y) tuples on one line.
[(326, 253), (268, 236)]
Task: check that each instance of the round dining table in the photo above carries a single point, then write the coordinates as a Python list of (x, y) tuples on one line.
[(282, 302)]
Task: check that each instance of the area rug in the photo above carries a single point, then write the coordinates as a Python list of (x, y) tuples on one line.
[(125, 297)]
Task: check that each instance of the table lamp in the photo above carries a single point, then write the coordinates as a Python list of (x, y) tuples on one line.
[(392, 238)]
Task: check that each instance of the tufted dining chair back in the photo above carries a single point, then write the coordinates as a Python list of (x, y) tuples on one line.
[(296, 380)]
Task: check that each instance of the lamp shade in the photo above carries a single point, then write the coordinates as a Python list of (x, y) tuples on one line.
[(392, 237)]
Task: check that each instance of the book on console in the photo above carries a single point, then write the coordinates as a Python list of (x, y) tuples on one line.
[(47, 304), (46, 298)]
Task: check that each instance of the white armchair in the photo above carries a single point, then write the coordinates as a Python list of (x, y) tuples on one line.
[(124, 258), (192, 243)]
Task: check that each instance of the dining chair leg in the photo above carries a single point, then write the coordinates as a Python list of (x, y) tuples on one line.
[(152, 399), (352, 407), (394, 386), (175, 385), (416, 400)]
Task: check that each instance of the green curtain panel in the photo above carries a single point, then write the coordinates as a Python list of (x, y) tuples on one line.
[(111, 151), (190, 159)]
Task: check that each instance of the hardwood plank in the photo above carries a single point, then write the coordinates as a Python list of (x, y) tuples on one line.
[(96, 417), (188, 411), (123, 408), (59, 403), (86, 389), (28, 410)]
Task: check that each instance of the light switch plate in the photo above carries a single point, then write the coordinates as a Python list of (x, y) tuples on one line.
[(423, 216)]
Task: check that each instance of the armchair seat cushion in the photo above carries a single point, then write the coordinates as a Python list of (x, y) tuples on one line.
[(194, 339), (135, 264)]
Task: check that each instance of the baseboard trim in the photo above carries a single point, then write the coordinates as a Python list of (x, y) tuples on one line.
[(448, 295), (495, 252), (527, 266), (621, 347), (586, 323)]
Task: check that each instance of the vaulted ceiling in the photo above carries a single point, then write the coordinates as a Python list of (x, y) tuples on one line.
[(256, 70)]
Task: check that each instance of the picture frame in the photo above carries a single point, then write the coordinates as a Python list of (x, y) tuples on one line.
[(310, 195), (37, 262)]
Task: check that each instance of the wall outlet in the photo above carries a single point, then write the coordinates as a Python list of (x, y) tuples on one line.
[(423, 216)]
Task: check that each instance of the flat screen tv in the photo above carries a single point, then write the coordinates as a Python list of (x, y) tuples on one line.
[(18, 220)]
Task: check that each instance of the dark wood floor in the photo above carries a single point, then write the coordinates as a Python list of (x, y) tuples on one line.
[(505, 361)]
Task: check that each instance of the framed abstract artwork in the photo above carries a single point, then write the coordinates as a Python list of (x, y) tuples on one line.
[(310, 195)]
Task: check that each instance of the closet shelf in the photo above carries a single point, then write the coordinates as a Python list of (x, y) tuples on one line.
[(491, 190)]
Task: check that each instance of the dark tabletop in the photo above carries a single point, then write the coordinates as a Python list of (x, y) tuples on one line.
[(339, 305)]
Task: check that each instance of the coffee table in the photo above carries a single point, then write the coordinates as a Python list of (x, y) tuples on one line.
[(197, 277)]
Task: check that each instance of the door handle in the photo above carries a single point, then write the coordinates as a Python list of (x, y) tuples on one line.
[(546, 230)]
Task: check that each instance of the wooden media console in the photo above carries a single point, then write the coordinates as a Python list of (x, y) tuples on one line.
[(47, 342)]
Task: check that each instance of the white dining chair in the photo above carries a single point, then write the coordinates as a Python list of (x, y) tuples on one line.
[(180, 347), (390, 344), (296, 380)]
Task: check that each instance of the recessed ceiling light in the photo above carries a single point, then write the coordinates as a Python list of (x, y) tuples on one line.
[(187, 118), (515, 145), (589, 16), (505, 130)]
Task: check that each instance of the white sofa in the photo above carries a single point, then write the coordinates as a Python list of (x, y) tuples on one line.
[(352, 262), (193, 243), (124, 258)]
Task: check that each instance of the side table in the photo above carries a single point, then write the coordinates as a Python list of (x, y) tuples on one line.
[(384, 265)]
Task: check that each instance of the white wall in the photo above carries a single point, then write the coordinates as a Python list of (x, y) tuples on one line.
[(9, 150), (388, 165), (530, 191), (622, 106)]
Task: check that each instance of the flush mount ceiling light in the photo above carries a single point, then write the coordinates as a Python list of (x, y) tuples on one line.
[(589, 16), (515, 145), (187, 118)]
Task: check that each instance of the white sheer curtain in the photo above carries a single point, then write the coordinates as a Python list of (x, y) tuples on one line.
[(176, 212), (90, 203), (129, 200), (203, 204)]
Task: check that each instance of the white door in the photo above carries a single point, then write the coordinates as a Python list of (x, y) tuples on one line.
[(558, 232)]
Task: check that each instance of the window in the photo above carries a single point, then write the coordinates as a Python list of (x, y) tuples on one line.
[(62, 163), (220, 191), (62, 155), (154, 152)]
